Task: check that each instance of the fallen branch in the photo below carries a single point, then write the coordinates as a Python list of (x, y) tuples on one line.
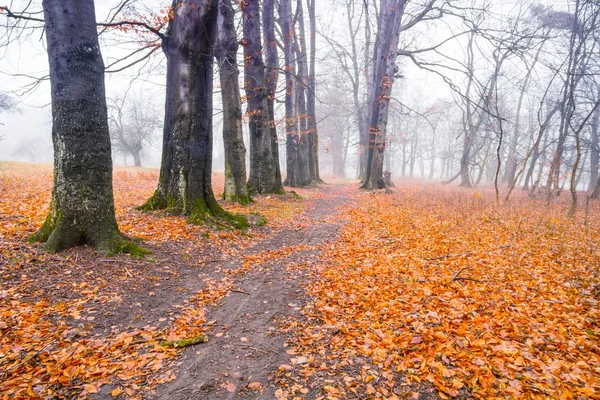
[(243, 346), (450, 255), (240, 291), (457, 276), (177, 344)]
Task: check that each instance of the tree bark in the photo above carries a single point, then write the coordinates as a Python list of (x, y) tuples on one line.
[(386, 48), (594, 148), (184, 186), (293, 178), (305, 140), (364, 116), (264, 160), (236, 189), (82, 206), (312, 96), (271, 76)]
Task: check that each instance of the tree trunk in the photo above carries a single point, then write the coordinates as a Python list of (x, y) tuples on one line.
[(184, 185), (236, 189), (365, 115), (137, 160), (529, 176), (386, 48), (82, 207), (511, 162), (271, 76), (264, 160), (291, 124), (337, 154), (594, 149), (305, 140), (312, 96)]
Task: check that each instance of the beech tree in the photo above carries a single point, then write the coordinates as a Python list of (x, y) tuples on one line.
[(304, 138), (312, 97), (271, 76), (82, 207), (264, 158), (236, 189), (384, 65), (184, 185), (292, 137)]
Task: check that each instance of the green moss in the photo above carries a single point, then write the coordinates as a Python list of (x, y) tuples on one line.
[(260, 220), (238, 221), (185, 342), (48, 227), (296, 195), (198, 212), (123, 246), (155, 202)]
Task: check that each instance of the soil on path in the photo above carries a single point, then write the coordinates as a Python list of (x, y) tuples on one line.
[(245, 348)]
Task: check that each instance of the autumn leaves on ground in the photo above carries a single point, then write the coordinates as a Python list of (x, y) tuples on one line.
[(425, 292)]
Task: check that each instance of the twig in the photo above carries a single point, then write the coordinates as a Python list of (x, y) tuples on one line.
[(450, 255), (457, 276), (26, 360), (240, 291), (254, 348)]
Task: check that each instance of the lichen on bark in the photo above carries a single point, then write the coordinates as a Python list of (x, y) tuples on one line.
[(82, 206), (184, 186)]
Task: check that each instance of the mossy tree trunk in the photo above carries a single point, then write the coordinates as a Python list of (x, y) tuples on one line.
[(264, 160), (236, 189), (82, 206), (271, 75), (184, 186)]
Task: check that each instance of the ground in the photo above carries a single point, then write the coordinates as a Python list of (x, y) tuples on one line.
[(424, 292)]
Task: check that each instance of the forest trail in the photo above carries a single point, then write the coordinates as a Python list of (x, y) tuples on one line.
[(245, 348)]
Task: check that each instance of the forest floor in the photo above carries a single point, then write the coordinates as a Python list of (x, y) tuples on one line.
[(425, 292)]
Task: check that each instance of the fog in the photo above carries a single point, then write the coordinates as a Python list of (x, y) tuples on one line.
[(427, 110)]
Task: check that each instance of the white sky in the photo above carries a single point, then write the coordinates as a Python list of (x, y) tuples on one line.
[(33, 121)]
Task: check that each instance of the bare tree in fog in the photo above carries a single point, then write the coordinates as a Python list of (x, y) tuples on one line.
[(133, 125)]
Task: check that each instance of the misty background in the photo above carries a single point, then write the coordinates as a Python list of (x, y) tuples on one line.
[(424, 131)]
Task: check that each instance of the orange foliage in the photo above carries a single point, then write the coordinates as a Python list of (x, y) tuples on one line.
[(48, 349), (442, 287)]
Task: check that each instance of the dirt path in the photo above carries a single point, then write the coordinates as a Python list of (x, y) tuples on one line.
[(245, 347)]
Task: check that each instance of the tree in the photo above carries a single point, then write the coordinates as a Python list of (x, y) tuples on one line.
[(28, 148), (312, 96), (271, 76), (264, 159), (384, 59), (184, 185), (6, 105), (384, 70), (82, 207), (133, 125), (236, 189), (292, 137), (304, 138), (594, 143)]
